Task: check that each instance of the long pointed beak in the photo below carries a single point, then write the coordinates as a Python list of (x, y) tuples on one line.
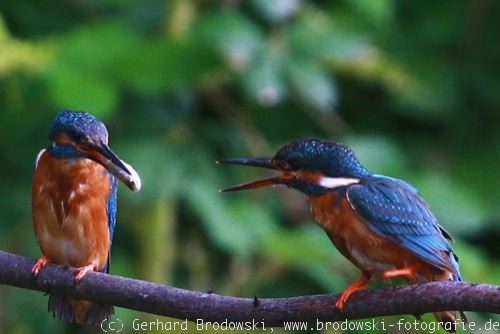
[(256, 162), (256, 184), (102, 154)]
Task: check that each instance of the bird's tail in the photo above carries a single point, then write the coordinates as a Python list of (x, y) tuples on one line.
[(448, 320), (79, 311)]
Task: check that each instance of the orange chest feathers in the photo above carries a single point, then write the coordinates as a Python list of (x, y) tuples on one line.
[(354, 239), (69, 207)]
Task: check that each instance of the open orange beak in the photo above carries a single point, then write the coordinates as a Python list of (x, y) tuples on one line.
[(257, 162)]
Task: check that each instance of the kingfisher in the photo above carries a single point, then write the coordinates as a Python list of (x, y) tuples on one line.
[(74, 204), (380, 223)]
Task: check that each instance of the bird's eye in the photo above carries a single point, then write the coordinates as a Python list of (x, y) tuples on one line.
[(282, 164), (79, 138)]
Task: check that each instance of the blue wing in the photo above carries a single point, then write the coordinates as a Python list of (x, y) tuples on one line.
[(112, 205), (393, 209)]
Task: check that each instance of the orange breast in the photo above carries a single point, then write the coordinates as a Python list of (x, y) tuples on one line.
[(370, 252), (69, 207)]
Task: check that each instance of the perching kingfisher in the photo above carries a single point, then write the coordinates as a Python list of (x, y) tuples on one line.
[(380, 223), (74, 201)]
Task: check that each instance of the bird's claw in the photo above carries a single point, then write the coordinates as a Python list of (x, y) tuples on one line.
[(40, 264), (341, 302), (354, 287), (82, 271)]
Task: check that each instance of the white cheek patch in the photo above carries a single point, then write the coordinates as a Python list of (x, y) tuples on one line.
[(38, 156), (134, 177), (335, 182)]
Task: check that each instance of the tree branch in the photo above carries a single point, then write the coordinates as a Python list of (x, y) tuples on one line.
[(184, 304)]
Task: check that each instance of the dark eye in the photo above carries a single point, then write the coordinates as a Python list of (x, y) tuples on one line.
[(283, 165), (80, 138)]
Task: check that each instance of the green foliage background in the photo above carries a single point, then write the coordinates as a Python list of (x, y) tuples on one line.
[(413, 87)]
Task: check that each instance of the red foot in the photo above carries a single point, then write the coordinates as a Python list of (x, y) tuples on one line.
[(40, 264), (356, 286), (82, 271), (408, 272)]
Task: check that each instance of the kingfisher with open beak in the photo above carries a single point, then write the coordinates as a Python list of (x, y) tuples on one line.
[(74, 201), (381, 224)]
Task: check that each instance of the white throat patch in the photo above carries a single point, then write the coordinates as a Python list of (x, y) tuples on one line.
[(38, 156), (335, 182)]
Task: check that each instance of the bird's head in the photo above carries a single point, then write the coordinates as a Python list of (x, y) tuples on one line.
[(81, 135), (312, 166)]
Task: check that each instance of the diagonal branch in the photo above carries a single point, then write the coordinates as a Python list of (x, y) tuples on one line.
[(184, 304)]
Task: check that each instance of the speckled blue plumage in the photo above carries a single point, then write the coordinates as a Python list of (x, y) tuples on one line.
[(112, 211), (393, 209), (79, 124), (330, 158)]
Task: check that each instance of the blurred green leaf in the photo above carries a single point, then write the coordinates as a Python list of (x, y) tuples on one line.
[(233, 36), (476, 169), (19, 55), (235, 227), (79, 90), (95, 48), (161, 65), (257, 222), (315, 37), (76, 77), (432, 93), (378, 12), (379, 154), (225, 228), (474, 266), (309, 249), (453, 205), (264, 81), (277, 10), (159, 167), (314, 86)]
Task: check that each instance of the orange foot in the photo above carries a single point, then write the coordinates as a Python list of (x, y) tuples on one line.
[(82, 271), (408, 272), (40, 264), (356, 286)]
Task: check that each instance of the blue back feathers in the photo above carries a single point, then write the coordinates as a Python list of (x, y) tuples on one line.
[(78, 125), (112, 206), (112, 211), (330, 158), (393, 209)]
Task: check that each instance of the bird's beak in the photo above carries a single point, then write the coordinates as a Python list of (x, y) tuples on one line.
[(102, 154), (257, 162)]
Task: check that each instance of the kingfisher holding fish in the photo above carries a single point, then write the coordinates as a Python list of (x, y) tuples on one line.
[(381, 224), (74, 204)]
